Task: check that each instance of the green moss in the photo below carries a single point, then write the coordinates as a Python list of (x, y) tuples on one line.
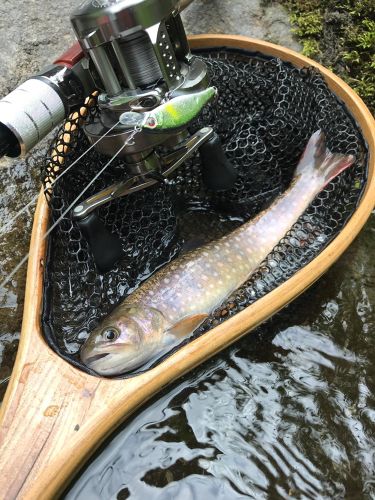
[(308, 26), (340, 35), (309, 23), (310, 47)]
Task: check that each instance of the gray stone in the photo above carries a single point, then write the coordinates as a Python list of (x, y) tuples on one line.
[(255, 18), (32, 34)]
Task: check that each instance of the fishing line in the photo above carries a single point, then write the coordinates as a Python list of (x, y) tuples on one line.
[(47, 233), (33, 200), (5, 381), (167, 96)]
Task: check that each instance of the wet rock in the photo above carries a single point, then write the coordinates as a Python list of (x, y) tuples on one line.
[(34, 34), (255, 18)]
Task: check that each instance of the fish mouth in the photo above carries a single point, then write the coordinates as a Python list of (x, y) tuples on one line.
[(104, 368), (109, 364), (92, 359)]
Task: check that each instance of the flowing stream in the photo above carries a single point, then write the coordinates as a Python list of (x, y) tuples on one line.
[(18, 184), (288, 412)]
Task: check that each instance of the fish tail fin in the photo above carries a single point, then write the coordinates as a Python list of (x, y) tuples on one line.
[(319, 159)]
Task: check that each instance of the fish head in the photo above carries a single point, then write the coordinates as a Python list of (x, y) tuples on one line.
[(125, 340)]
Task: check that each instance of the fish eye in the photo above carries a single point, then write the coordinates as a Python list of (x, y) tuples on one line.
[(151, 122), (110, 334)]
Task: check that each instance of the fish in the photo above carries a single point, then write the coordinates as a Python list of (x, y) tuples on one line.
[(176, 300), (173, 114)]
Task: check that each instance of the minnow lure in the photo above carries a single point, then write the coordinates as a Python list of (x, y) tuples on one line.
[(173, 114), (179, 297)]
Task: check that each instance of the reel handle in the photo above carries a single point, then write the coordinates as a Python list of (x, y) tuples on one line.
[(105, 246), (217, 171)]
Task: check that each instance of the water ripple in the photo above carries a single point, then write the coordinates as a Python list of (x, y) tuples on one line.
[(287, 412)]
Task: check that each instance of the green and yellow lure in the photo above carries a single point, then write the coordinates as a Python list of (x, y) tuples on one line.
[(173, 114)]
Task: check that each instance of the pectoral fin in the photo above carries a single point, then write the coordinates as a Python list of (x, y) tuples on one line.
[(186, 326)]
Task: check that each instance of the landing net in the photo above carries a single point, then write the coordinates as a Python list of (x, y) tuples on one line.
[(266, 112)]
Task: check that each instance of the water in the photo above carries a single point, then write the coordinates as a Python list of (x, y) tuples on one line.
[(18, 184), (288, 412)]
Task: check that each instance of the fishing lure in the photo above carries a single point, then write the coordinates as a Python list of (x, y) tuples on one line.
[(172, 114)]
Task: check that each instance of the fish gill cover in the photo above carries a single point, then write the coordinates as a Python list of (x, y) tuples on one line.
[(265, 114)]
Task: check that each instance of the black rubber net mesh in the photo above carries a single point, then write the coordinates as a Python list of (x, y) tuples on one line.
[(265, 113)]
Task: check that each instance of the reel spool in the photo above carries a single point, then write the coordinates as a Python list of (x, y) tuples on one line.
[(139, 58)]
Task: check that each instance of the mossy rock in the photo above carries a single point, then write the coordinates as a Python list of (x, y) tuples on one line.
[(341, 36)]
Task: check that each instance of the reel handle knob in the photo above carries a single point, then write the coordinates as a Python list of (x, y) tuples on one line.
[(105, 246), (217, 171)]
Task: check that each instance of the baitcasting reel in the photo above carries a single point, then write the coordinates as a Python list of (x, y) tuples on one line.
[(136, 54)]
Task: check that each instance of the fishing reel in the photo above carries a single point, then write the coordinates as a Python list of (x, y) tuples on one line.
[(136, 54)]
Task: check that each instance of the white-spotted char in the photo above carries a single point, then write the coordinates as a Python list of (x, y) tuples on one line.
[(179, 297)]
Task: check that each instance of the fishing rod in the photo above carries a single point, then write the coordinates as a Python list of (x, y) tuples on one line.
[(135, 54)]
